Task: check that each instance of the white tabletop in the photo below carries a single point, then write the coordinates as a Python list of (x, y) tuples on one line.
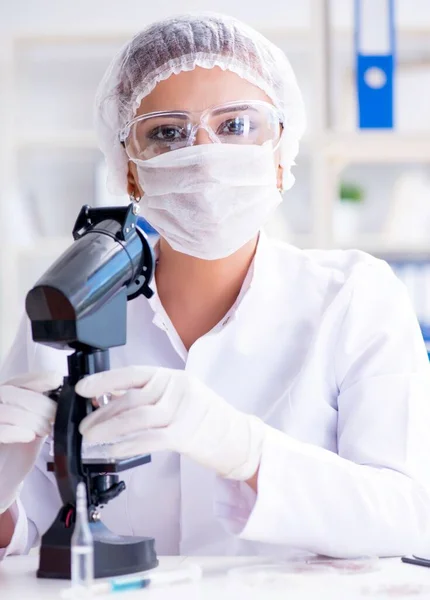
[(222, 579)]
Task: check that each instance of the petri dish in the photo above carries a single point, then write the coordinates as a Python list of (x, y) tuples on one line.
[(397, 590), (288, 576), (341, 566)]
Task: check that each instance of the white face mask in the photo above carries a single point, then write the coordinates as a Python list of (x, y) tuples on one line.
[(209, 200)]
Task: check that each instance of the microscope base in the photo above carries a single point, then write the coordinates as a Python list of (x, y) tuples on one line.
[(114, 555)]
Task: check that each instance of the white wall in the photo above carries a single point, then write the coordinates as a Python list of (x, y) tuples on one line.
[(53, 86), (101, 15), (105, 15)]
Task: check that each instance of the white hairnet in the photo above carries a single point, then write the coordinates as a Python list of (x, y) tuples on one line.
[(180, 44)]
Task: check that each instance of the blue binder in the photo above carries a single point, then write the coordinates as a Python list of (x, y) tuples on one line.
[(375, 63)]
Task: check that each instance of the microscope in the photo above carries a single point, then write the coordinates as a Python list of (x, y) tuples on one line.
[(80, 304)]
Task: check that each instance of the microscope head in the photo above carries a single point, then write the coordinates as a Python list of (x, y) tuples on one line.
[(81, 300)]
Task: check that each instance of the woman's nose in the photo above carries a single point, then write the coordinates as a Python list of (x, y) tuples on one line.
[(202, 137)]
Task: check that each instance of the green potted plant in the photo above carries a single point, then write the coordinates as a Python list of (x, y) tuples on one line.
[(347, 212)]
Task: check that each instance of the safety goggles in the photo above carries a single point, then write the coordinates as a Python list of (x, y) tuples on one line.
[(245, 122)]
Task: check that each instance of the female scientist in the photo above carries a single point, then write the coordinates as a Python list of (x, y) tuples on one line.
[(283, 394)]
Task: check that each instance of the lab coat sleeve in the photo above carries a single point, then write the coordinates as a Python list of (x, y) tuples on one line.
[(39, 499), (373, 496)]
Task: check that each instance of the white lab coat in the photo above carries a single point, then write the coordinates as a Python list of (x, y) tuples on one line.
[(325, 348)]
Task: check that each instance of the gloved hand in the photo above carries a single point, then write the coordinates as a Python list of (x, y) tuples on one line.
[(165, 409), (26, 418)]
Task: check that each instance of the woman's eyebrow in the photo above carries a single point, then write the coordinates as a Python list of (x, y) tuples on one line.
[(237, 107)]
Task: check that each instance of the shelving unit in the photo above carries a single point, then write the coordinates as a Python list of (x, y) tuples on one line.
[(85, 139), (49, 156)]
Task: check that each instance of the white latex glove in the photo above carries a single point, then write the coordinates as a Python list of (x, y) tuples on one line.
[(165, 409), (26, 418)]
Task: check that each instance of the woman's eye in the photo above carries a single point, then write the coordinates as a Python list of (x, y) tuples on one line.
[(167, 133), (237, 126)]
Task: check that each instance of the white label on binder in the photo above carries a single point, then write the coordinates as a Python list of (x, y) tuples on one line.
[(374, 27)]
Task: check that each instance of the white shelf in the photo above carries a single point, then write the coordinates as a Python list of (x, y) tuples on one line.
[(295, 39), (343, 33), (52, 246), (371, 243), (69, 37), (302, 240), (377, 147), (376, 245), (57, 139), (356, 146)]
